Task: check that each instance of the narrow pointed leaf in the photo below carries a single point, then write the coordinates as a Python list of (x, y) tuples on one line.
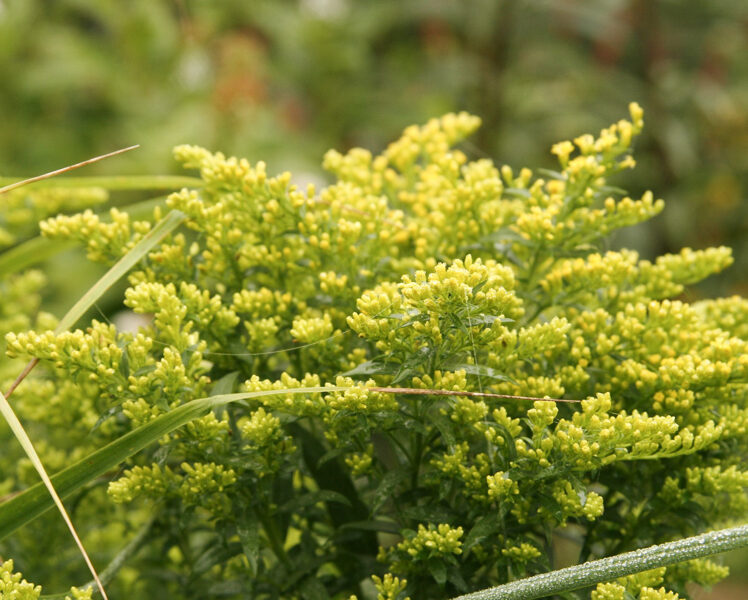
[(30, 252), (28, 447), (161, 230), (34, 501)]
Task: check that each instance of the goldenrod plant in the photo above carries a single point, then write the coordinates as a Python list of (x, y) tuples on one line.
[(277, 472)]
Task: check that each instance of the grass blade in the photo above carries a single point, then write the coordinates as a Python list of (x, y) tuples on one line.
[(29, 504), (120, 560), (164, 227), (23, 182), (28, 447), (30, 252), (122, 266)]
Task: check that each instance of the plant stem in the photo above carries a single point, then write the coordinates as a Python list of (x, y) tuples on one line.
[(268, 524), (607, 569), (116, 183), (18, 184), (119, 561)]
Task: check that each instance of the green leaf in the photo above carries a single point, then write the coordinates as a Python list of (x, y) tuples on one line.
[(485, 526), (446, 427), (312, 498), (215, 554), (488, 319), (372, 367), (248, 530), (383, 526), (431, 513), (387, 486), (225, 384), (332, 476), (30, 252), (438, 570), (312, 589), (28, 505), (455, 578)]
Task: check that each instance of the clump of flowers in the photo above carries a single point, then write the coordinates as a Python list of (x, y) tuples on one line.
[(417, 268)]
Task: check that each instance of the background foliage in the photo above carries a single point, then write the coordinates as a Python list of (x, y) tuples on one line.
[(283, 81)]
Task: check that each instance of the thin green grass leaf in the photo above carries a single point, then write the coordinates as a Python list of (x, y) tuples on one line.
[(28, 447), (29, 253), (164, 227), (31, 503), (34, 501), (120, 560)]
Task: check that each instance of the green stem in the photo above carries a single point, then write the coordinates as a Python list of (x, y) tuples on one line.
[(613, 567), (530, 277), (268, 524), (119, 561), (399, 444)]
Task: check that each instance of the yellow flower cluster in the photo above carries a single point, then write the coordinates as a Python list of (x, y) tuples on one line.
[(729, 314), (443, 313), (572, 503), (615, 591), (204, 478), (500, 485), (417, 268), (420, 546), (23, 208), (193, 484), (151, 481), (12, 585), (521, 553), (389, 587), (360, 462), (104, 242), (703, 571)]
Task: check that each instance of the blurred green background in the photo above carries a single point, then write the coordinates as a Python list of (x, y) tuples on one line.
[(284, 80)]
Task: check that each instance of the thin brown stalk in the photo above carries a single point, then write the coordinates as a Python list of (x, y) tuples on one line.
[(30, 366), (18, 184), (398, 390), (26, 370)]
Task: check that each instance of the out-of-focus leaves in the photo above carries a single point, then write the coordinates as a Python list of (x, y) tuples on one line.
[(284, 80)]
